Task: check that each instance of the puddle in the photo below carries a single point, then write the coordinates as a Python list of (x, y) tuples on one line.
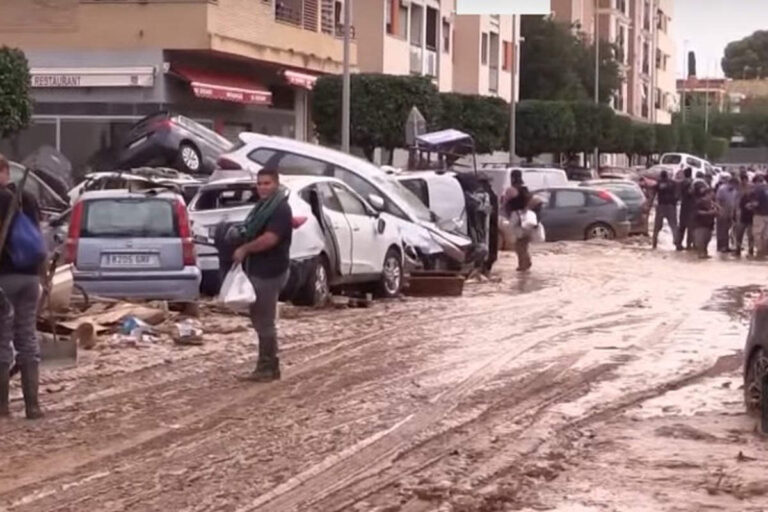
[(734, 301), (527, 283)]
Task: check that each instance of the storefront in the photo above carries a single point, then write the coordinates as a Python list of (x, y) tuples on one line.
[(86, 101)]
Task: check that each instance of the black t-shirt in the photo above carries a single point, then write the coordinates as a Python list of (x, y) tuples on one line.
[(745, 213), (704, 220), (687, 197), (28, 206), (275, 261), (666, 192)]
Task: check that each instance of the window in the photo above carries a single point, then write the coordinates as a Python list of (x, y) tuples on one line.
[(216, 198), (545, 197), (646, 59), (365, 189), (658, 99), (417, 14), (402, 22), (419, 188), (507, 63), (570, 199), (349, 203), (262, 155), (296, 164), (659, 58), (693, 162), (328, 198), (595, 199), (647, 15), (389, 7), (288, 11), (129, 218), (672, 159), (431, 29), (661, 21), (446, 36), (484, 49)]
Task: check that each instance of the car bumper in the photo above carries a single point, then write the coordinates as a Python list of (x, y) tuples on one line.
[(182, 285), (622, 229)]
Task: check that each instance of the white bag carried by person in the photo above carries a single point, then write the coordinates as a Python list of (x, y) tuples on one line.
[(237, 290)]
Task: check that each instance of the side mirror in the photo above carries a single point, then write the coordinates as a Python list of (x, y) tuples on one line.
[(377, 202)]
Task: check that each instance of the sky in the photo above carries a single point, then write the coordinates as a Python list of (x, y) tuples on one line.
[(709, 25)]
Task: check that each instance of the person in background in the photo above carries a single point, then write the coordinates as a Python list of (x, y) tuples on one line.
[(687, 208), (744, 217), (18, 308), (706, 211), (265, 255), (516, 202), (727, 197), (666, 207), (759, 205)]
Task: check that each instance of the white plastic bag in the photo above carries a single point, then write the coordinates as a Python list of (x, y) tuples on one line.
[(528, 220), (237, 290), (538, 235)]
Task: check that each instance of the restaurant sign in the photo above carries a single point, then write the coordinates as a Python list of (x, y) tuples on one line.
[(143, 76)]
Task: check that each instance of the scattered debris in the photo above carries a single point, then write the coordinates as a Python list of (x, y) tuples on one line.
[(188, 332)]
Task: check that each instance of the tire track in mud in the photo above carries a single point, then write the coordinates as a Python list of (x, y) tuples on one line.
[(196, 424)]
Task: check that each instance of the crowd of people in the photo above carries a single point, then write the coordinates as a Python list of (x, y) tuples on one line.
[(735, 210)]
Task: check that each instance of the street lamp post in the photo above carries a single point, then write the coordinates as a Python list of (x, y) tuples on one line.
[(513, 96), (685, 78), (346, 89), (597, 78)]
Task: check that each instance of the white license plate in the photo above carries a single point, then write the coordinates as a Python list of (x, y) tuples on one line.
[(130, 260)]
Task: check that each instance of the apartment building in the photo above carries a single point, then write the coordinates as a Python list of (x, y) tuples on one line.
[(98, 66), (467, 54), (641, 30)]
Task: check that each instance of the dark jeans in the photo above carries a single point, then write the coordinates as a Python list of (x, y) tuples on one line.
[(264, 316), (18, 318), (702, 236), (741, 230), (686, 227), (724, 225)]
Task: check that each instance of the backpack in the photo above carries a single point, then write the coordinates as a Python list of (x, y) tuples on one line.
[(25, 248)]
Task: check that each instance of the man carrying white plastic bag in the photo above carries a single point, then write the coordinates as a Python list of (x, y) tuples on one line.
[(263, 257)]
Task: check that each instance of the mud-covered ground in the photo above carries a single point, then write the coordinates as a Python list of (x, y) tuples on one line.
[(608, 379)]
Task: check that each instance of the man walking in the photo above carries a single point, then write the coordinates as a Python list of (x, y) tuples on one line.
[(19, 291), (744, 218), (759, 205), (517, 200), (687, 210), (706, 211), (666, 207), (267, 232), (727, 202)]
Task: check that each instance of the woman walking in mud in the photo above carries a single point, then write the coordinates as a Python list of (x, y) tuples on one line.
[(517, 201)]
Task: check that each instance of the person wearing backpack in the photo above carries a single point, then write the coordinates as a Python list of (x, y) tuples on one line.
[(19, 291)]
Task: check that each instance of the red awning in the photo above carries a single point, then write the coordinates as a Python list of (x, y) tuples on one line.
[(304, 80), (225, 87)]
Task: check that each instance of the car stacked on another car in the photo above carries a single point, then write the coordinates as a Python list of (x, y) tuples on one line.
[(632, 195), (582, 213), (339, 241)]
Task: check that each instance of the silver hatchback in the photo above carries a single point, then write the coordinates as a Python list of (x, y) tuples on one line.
[(132, 245)]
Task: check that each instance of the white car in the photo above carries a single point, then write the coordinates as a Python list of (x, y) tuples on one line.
[(422, 237), (338, 241), (136, 179), (535, 178)]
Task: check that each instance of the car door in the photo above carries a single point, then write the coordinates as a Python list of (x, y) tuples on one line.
[(568, 215), (367, 250), (341, 227)]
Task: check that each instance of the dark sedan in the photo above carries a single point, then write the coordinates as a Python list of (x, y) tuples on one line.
[(581, 213), (170, 140), (632, 195)]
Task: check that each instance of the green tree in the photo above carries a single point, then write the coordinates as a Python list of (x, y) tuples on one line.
[(556, 63), (587, 131), (716, 148), (15, 102), (666, 138), (485, 118), (379, 108), (643, 139), (748, 57), (623, 137), (684, 138), (543, 127)]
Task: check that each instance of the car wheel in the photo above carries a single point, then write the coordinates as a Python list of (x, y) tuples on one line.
[(757, 367), (190, 159), (210, 283), (600, 231), (316, 292), (391, 275)]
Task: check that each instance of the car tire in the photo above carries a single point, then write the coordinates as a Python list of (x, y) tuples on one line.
[(599, 231), (757, 367), (316, 291), (391, 282), (189, 158)]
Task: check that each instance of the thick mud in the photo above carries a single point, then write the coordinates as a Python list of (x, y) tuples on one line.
[(606, 379)]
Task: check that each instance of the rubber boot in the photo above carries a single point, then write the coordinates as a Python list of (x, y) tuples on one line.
[(30, 382), (5, 390)]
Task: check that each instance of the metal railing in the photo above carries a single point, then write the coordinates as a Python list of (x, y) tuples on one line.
[(288, 11), (417, 64)]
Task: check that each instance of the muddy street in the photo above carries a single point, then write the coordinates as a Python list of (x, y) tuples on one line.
[(609, 378)]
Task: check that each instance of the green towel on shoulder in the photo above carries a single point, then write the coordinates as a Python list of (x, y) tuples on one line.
[(261, 213)]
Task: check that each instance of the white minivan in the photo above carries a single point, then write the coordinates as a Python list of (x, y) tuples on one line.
[(535, 178)]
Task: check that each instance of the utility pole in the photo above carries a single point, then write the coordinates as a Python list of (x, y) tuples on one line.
[(685, 78), (597, 78), (706, 100), (513, 90), (346, 88)]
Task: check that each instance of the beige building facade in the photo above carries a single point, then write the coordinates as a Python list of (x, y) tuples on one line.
[(642, 32), (466, 54), (97, 67)]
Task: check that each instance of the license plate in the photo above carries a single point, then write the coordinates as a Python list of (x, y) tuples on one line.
[(137, 143), (130, 260)]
